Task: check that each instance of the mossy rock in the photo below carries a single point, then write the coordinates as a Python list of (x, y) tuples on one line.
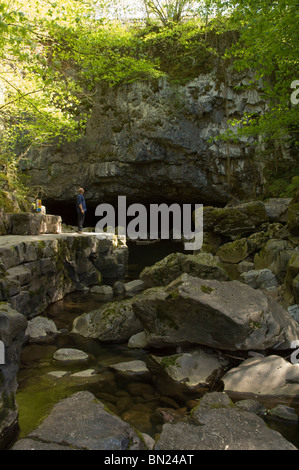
[(293, 218), (239, 220), (113, 322)]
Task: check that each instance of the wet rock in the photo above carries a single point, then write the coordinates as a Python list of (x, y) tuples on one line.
[(168, 415), (124, 403), (140, 389), (220, 426), (260, 279), (70, 355), (223, 315), (203, 265), (84, 373), (81, 422), (114, 322), (270, 375), (140, 419)]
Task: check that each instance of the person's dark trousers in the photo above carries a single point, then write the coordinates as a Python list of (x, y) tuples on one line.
[(81, 218)]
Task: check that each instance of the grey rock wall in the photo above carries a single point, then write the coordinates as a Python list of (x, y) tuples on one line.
[(35, 271)]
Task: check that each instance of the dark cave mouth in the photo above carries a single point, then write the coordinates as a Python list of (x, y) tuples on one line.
[(68, 213)]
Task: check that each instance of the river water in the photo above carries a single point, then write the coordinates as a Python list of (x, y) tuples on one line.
[(146, 401)]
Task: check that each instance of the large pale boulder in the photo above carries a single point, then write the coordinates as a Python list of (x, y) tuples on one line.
[(81, 422), (225, 315), (236, 220)]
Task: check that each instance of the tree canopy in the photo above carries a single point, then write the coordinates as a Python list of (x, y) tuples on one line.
[(52, 56)]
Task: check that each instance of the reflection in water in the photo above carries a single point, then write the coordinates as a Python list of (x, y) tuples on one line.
[(144, 400)]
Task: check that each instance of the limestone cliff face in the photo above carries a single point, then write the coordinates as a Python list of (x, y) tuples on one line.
[(154, 141)]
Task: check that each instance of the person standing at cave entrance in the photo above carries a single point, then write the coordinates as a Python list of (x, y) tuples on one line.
[(81, 209)]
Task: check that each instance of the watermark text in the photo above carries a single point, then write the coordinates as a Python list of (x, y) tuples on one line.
[(155, 222)]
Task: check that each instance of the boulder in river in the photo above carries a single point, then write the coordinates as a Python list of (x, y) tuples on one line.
[(224, 315)]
